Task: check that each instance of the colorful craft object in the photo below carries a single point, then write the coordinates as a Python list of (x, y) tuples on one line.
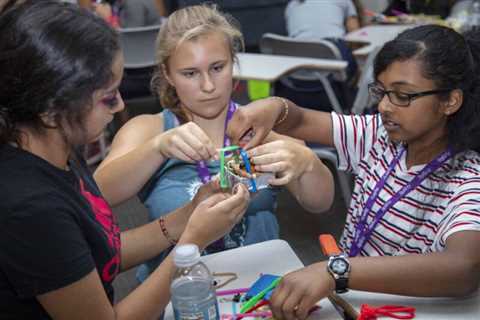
[(261, 290), (254, 299), (236, 150)]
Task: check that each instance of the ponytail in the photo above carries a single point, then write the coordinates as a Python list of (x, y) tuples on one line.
[(465, 124)]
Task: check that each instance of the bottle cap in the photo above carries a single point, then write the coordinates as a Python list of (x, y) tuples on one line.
[(186, 255)]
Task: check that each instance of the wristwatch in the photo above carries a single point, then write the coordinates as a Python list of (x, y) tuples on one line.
[(339, 267)]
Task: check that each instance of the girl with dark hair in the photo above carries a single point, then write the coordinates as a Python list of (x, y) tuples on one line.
[(60, 246), (414, 219)]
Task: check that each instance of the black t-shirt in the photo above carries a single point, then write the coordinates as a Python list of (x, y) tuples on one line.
[(55, 228)]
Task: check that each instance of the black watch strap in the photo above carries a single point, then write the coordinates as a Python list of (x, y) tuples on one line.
[(341, 285)]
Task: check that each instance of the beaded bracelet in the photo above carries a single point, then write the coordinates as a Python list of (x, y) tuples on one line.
[(169, 238), (285, 112)]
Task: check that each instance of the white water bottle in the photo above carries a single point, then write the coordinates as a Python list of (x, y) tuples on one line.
[(192, 291)]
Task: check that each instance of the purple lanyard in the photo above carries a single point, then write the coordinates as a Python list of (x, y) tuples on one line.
[(202, 168), (363, 231)]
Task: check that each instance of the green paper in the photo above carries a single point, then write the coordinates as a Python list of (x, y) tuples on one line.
[(258, 89)]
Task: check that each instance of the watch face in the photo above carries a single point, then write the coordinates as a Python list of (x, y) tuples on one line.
[(339, 266)]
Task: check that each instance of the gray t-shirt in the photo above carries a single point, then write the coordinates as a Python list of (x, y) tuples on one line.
[(139, 13), (318, 19)]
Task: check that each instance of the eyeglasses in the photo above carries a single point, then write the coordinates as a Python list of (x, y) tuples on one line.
[(398, 98)]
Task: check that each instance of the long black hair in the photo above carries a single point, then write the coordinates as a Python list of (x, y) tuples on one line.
[(53, 56), (451, 61)]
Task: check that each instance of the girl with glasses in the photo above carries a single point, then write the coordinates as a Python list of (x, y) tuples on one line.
[(413, 224), (60, 245)]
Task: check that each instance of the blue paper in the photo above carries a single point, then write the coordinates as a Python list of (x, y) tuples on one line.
[(263, 282)]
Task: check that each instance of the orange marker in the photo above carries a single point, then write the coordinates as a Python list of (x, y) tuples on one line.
[(328, 245)]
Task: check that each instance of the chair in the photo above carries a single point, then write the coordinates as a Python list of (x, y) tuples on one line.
[(281, 45), (138, 46), (287, 46), (362, 102)]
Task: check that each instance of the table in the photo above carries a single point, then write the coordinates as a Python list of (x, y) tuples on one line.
[(268, 67), (427, 308), (374, 36), (277, 257), (273, 257)]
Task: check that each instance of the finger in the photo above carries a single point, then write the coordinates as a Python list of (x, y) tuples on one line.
[(305, 305), (213, 200), (279, 166), (176, 153), (183, 150), (265, 157), (258, 151), (237, 126), (246, 138), (280, 181), (258, 136), (238, 213), (213, 186), (197, 144), (202, 143), (290, 305), (277, 299), (241, 190), (236, 200)]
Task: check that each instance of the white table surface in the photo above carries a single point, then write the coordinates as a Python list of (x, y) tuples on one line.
[(277, 257), (255, 66), (426, 308), (374, 36)]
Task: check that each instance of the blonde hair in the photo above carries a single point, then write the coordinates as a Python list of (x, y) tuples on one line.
[(187, 24)]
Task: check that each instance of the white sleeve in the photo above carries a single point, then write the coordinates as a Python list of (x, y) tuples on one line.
[(463, 212), (354, 136)]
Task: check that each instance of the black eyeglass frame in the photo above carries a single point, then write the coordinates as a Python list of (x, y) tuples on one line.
[(410, 96)]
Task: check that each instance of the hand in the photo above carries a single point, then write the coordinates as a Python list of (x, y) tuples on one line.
[(187, 142), (298, 291), (216, 216), (103, 10), (288, 159), (207, 190), (257, 118)]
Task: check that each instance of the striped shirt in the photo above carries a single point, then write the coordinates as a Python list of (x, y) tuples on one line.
[(447, 201)]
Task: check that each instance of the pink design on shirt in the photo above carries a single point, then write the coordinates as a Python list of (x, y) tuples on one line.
[(104, 215)]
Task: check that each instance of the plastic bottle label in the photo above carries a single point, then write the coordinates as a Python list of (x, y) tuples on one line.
[(210, 312)]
